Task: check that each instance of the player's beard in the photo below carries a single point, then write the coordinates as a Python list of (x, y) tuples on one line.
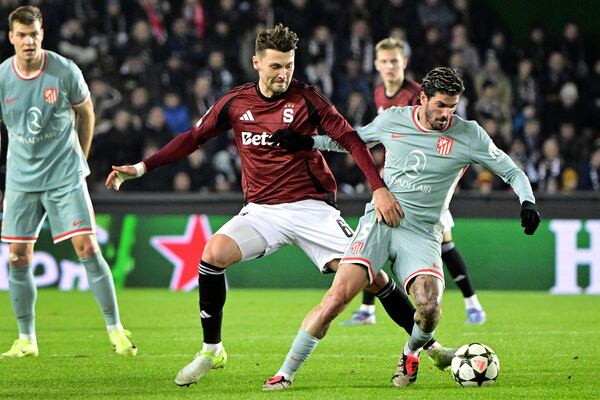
[(436, 124), (277, 90)]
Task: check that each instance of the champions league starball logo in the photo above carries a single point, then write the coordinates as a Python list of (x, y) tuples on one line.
[(34, 120)]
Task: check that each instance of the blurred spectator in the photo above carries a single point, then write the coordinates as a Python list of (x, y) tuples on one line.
[(525, 87), (570, 144), (468, 99), (198, 168), (194, 14), (139, 106), (221, 78), (263, 12), (358, 110), (319, 75), (573, 50), (181, 40), (532, 138), (348, 176), (202, 96), (297, 13), (549, 168), (555, 77), (518, 153), (359, 45), (590, 172), (430, 54), (352, 80), (155, 11), (114, 25), (155, 127), (436, 13), (592, 87), (503, 52), (220, 39), (174, 74), (400, 14), (105, 98), (460, 42), (569, 181), (177, 115), (537, 49), (77, 45), (321, 48), (492, 73), (488, 106)]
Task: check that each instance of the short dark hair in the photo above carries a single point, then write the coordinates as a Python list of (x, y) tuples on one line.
[(279, 38), (26, 15), (444, 80)]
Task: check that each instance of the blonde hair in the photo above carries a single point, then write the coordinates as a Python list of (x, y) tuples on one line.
[(390, 44)]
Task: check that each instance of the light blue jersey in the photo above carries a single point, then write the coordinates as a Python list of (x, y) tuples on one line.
[(43, 151), (423, 167)]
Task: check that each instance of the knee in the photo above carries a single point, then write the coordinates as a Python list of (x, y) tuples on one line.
[(221, 251), (85, 246), (18, 259)]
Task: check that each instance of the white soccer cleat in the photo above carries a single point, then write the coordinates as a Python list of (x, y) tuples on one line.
[(277, 382), (200, 365)]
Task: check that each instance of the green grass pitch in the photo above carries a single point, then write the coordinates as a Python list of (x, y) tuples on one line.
[(549, 348)]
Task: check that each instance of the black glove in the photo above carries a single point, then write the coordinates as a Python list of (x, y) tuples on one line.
[(530, 217), (292, 142)]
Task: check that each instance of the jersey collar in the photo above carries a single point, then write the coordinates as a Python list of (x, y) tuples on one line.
[(35, 74), (422, 128)]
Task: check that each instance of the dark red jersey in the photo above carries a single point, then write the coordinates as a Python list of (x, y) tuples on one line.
[(270, 175), (407, 95)]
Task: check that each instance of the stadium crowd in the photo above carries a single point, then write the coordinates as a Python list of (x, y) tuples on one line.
[(154, 68)]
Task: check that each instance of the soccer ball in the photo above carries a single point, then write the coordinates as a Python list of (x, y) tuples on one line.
[(475, 364)]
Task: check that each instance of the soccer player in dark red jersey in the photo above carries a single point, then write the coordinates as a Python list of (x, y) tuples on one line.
[(290, 197), (396, 90)]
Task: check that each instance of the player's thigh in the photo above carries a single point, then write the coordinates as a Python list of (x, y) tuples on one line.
[(23, 216), (415, 254), (256, 231), (369, 246), (447, 225), (70, 211), (320, 232)]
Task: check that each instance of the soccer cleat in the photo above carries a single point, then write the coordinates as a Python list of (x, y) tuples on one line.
[(122, 344), (476, 316), (22, 348), (361, 318), (441, 356), (200, 365), (406, 371), (277, 382)]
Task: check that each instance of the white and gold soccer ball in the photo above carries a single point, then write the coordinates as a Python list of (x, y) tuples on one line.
[(475, 364)]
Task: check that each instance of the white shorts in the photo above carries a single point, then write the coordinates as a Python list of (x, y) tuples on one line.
[(314, 226), (447, 221)]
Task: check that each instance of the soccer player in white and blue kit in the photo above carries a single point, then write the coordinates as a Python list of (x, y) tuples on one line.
[(46, 107), (427, 150)]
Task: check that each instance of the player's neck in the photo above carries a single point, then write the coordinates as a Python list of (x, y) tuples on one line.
[(264, 90), (30, 67), (392, 87)]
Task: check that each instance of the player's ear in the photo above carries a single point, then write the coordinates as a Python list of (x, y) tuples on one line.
[(255, 62)]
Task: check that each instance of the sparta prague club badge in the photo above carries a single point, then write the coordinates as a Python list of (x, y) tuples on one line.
[(50, 95), (444, 146)]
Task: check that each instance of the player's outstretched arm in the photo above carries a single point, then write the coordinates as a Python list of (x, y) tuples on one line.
[(123, 173)]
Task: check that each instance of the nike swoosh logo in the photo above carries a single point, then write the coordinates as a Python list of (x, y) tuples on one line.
[(76, 223), (397, 136), (8, 101)]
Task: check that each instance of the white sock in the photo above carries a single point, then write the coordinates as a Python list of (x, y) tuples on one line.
[(472, 302), (216, 349), (29, 336), (370, 308), (281, 373), (408, 351), (115, 327)]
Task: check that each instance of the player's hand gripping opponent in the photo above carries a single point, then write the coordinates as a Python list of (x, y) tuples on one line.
[(530, 217), (123, 173)]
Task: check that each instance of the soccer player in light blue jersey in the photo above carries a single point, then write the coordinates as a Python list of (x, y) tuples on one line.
[(46, 107), (427, 150)]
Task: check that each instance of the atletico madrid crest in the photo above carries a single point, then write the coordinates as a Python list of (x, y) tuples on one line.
[(50, 95), (357, 247), (444, 146)]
